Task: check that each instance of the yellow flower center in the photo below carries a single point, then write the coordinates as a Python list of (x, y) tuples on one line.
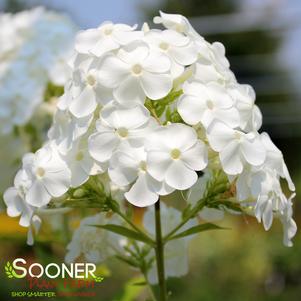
[(175, 153), (210, 104), (137, 69), (108, 31), (142, 166), (122, 132), (40, 172), (91, 81), (164, 46)]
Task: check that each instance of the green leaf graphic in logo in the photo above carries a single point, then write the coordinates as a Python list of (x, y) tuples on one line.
[(97, 278), (10, 272)]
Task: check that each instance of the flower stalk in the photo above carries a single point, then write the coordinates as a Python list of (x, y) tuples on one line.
[(160, 254)]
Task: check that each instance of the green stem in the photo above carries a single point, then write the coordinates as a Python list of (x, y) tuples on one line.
[(160, 254)]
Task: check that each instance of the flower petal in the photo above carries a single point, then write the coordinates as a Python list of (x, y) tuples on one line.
[(102, 145), (186, 55), (253, 151), (37, 195), (104, 45), (157, 164), (157, 62), (84, 104), (112, 72), (179, 176), (196, 157), (140, 194), (230, 158), (155, 86), (13, 202), (78, 175), (219, 135), (191, 109), (130, 91), (85, 40), (57, 183)]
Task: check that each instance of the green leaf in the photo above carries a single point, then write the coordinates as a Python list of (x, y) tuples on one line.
[(130, 291), (127, 261), (125, 232), (140, 283), (231, 206), (197, 229)]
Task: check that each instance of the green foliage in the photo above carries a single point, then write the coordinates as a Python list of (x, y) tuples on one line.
[(196, 229), (53, 91), (131, 290), (125, 232), (164, 105)]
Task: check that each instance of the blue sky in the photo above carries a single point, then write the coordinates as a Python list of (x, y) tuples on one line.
[(90, 13)]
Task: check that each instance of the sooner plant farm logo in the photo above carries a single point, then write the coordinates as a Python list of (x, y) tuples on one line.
[(19, 269), (53, 280)]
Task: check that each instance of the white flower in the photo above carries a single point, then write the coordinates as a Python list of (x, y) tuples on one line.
[(212, 65), (66, 129), (235, 147), (180, 49), (270, 198), (289, 225), (49, 174), (86, 92), (250, 115), (36, 42), (176, 22), (136, 72), (34, 228), (105, 38), (94, 243), (129, 166), (249, 183), (174, 154), (175, 251), (17, 106), (14, 198), (121, 119), (81, 164), (275, 160), (204, 103), (117, 126)]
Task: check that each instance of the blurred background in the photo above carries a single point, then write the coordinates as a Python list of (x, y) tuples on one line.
[(263, 41)]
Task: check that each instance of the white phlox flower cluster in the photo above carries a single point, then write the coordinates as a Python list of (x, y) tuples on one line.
[(34, 47), (152, 109)]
